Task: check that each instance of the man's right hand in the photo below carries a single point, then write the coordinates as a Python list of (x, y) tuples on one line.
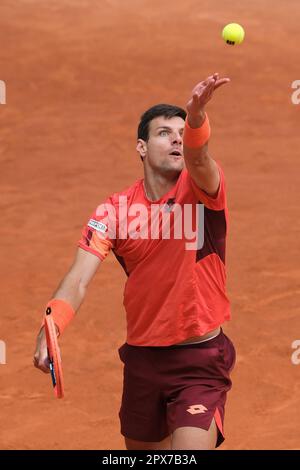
[(40, 359)]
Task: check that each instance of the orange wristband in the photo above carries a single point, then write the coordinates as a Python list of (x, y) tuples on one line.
[(62, 313), (194, 138)]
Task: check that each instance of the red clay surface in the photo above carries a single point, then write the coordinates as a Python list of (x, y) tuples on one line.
[(78, 76)]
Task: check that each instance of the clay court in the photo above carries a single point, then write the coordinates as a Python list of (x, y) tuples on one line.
[(78, 75)]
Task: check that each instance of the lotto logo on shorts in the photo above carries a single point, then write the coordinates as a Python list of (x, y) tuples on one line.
[(195, 409), (99, 226)]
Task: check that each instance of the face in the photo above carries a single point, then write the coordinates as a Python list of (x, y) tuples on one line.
[(163, 151)]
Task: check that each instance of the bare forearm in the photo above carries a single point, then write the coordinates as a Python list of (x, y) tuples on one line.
[(72, 291), (198, 158), (200, 165)]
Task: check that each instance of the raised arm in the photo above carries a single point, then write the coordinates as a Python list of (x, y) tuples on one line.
[(201, 166)]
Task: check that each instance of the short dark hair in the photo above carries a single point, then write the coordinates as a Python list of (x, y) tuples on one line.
[(166, 110)]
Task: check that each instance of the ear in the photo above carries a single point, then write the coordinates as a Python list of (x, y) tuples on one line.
[(141, 147)]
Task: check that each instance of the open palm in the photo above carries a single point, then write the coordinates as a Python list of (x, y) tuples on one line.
[(203, 92)]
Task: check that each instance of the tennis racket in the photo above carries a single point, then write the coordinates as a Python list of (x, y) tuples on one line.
[(54, 355)]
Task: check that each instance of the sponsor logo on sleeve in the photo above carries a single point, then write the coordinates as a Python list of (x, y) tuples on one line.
[(99, 226)]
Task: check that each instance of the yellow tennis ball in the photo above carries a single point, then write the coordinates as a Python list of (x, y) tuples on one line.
[(233, 33)]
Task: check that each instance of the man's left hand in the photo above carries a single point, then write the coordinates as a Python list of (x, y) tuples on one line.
[(201, 95)]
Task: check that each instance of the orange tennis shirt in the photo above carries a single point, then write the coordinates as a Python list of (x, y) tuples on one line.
[(175, 287)]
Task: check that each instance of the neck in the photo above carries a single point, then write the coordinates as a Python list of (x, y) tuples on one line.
[(156, 184)]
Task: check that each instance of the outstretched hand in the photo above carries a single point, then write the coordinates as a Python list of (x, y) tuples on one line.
[(203, 92)]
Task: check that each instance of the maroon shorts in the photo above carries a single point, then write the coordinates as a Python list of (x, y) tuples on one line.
[(166, 387)]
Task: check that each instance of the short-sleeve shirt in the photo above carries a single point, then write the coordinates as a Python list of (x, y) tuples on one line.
[(173, 253)]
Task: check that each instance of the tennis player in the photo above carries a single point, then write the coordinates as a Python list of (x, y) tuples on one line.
[(168, 231)]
